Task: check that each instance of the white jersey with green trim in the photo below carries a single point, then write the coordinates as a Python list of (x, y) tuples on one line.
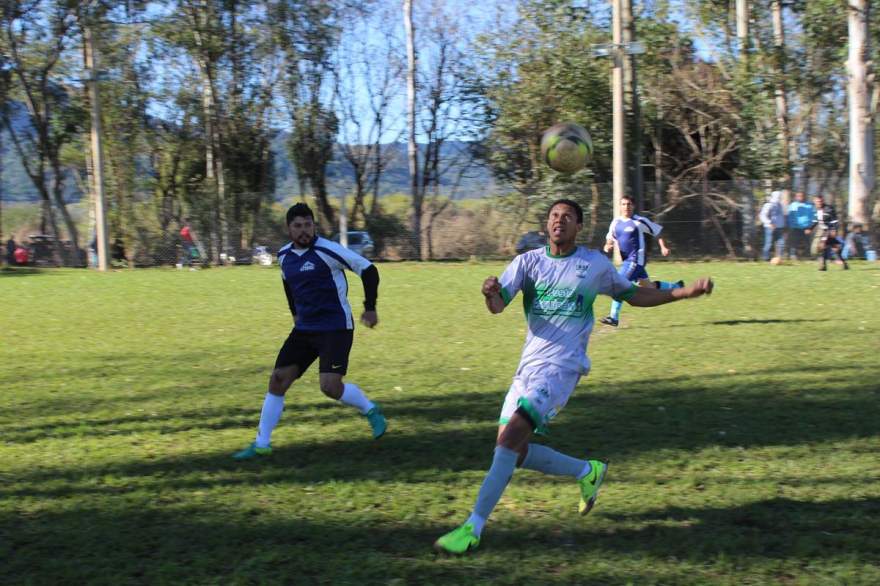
[(558, 294)]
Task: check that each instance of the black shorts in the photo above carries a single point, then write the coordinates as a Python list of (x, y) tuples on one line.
[(301, 348)]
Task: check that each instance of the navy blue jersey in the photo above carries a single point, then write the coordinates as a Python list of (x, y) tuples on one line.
[(629, 233), (315, 283), (825, 218)]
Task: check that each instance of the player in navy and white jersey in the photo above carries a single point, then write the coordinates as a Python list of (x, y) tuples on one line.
[(313, 274), (628, 231), (826, 224), (559, 284)]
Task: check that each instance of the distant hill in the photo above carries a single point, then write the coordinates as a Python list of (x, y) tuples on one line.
[(395, 179), (17, 187)]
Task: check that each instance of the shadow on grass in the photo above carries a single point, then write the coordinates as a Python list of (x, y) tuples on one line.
[(455, 434), (737, 322), (200, 545), (27, 272), (778, 529)]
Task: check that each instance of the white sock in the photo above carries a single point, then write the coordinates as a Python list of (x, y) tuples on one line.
[(547, 460), (273, 405), (496, 480), (354, 396)]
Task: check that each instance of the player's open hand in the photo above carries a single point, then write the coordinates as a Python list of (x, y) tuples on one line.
[(369, 319), (664, 251), (491, 287), (702, 286)]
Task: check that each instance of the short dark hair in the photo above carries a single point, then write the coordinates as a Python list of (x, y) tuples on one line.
[(570, 203), (301, 210)]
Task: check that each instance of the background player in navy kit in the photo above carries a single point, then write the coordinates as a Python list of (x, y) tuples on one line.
[(312, 270), (825, 223), (629, 231)]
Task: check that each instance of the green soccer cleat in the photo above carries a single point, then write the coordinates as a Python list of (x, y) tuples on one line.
[(590, 485), (459, 540), (251, 452), (377, 421)]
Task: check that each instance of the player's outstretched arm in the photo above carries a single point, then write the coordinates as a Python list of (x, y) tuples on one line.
[(492, 292), (649, 297)]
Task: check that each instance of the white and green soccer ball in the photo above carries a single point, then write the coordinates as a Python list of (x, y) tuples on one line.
[(566, 147)]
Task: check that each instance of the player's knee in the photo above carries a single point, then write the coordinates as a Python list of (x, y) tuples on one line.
[(332, 388), (279, 382), (516, 433)]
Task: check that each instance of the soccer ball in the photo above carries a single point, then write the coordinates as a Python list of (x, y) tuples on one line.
[(566, 147), (775, 261)]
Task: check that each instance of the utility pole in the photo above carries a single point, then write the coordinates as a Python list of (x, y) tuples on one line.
[(618, 121), (631, 90), (97, 149), (617, 50)]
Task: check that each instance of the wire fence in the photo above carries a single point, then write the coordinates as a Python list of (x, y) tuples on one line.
[(716, 219)]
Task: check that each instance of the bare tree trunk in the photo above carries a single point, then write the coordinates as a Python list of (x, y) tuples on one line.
[(780, 94), (747, 207), (594, 212), (412, 149), (658, 161), (747, 198), (213, 162), (2, 232), (742, 24), (69, 224), (861, 124)]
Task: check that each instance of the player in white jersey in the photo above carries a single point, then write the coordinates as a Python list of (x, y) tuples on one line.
[(559, 284)]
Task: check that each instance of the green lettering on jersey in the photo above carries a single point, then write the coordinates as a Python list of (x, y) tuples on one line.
[(547, 300)]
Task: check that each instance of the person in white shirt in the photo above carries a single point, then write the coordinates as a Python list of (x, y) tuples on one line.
[(772, 217)]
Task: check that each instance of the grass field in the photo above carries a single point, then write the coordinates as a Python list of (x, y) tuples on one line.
[(743, 432)]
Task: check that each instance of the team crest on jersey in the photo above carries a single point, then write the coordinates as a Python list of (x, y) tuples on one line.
[(581, 269), (307, 266)]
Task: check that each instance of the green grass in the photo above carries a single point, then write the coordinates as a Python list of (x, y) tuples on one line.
[(742, 431)]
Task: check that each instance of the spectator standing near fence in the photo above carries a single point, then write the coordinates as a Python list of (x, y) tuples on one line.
[(188, 243), (857, 244), (800, 218), (10, 250), (21, 255), (772, 217)]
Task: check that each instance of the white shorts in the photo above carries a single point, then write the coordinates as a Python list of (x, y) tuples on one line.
[(542, 391)]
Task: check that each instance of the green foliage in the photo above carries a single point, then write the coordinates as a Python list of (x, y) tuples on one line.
[(383, 227), (534, 74), (741, 433)]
